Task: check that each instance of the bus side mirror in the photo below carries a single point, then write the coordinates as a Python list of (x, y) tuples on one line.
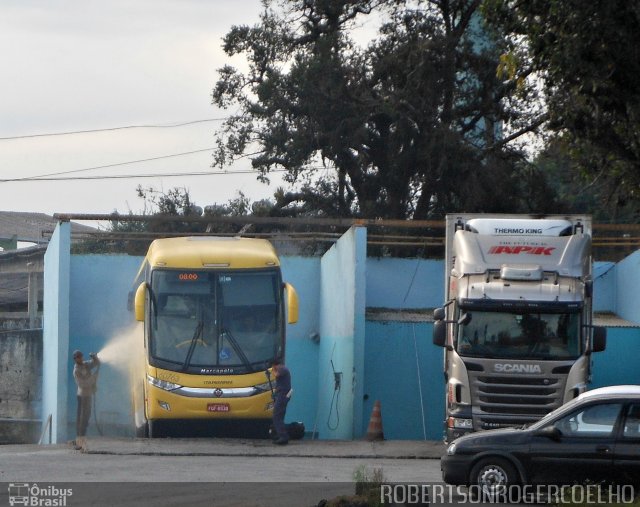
[(292, 304), (599, 339), (141, 293)]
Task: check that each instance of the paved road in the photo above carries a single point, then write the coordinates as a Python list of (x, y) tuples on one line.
[(129, 472)]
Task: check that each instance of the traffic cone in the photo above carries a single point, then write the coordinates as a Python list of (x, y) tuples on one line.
[(374, 431)]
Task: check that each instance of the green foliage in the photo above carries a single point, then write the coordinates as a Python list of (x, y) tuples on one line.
[(406, 126), (587, 55), (133, 237)]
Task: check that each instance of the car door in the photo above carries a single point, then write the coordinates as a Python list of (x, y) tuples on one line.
[(626, 456), (582, 449)]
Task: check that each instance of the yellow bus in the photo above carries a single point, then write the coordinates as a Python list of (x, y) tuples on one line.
[(214, 314)]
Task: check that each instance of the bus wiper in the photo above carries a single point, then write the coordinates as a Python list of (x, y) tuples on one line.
[(238, 350), (154, 306), (192, 345)]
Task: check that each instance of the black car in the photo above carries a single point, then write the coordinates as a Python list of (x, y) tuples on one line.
[(595, 437)]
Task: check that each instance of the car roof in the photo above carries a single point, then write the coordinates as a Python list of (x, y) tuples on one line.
[(612, 391)]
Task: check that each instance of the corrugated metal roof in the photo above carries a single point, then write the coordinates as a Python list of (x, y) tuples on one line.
[(399, 315), (14, 289), (611, 320), (30, 226)]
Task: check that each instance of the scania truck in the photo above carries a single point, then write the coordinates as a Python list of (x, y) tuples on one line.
[(516, 326)]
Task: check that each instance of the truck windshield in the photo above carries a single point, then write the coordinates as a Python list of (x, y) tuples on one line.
[(552, 336), (227, 321)]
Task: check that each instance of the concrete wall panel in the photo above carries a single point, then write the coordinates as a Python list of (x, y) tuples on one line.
[(56, 332), (341, 331), (20, 386)]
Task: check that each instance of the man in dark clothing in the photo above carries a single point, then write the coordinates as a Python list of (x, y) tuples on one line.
[(85, 373), (281, 397)]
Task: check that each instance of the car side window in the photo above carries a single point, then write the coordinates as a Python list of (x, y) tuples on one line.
[(592, 421), (632, 422)]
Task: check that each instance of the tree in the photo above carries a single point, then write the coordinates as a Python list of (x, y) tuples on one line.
[(587, 54), (407, 126)]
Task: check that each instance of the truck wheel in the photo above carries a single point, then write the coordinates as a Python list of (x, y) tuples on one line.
[(492, 476)]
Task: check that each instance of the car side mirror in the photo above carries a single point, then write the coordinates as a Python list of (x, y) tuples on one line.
[(550, 432)]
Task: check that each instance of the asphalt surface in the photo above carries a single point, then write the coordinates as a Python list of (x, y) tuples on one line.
[(401, 449)]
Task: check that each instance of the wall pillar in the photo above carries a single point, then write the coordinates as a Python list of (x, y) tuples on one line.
[(342, 319), (55, 328)]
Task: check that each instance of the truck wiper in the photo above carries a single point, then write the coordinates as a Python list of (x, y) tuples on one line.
[(192, 345), (237, 348)]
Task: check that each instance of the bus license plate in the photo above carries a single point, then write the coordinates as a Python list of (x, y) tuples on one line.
[(218, 407)]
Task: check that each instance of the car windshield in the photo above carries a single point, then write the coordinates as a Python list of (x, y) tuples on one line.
[(506, 335), (212, 320)]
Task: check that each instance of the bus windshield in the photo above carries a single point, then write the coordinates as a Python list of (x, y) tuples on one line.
[(204, 321), (504, 335)]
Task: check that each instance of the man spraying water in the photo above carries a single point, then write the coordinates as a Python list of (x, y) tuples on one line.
[(85, 373)]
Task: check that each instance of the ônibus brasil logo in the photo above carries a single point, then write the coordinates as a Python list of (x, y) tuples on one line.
[(22, 493), (521, 249)]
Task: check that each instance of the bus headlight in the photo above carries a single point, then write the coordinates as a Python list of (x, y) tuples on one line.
[(162, 384)]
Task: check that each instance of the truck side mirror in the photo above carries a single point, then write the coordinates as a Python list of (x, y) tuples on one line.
[(292, 304), (439, 333), (599, 339), (438, 314), (141, 293)]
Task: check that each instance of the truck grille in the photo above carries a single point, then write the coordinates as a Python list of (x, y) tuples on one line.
[(514, 400)]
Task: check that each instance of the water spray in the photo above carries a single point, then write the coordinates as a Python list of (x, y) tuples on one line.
[(121, 353)]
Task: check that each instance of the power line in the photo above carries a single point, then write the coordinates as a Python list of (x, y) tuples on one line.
[(118, 164), (109, 129), (130, 176)]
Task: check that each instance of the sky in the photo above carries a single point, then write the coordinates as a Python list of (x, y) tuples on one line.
[(79, 65)]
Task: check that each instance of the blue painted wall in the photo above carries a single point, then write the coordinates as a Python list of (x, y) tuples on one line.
[(404, 283), (100, 322), (604, 287), (302, 345), (627, 288), (394, 362), (618, 364), (404, 372)]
